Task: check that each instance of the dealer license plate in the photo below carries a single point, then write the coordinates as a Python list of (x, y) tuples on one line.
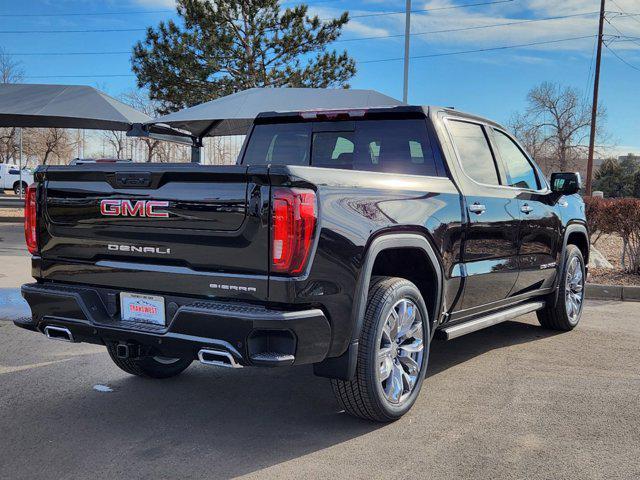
[(142, 308)]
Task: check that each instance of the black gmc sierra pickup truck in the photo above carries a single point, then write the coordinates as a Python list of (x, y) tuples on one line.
[(343, 239)]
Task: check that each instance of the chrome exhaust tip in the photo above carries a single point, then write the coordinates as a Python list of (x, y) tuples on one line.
[(219, 358), (58, 333)]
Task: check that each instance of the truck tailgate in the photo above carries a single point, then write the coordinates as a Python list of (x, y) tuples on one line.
[(181, 223)]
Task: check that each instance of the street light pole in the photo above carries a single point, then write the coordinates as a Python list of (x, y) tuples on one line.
[(594, 105), (407, 35)]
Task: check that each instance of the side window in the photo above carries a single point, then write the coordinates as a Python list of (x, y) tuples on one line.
[(394, 146), (520, 172), (333, 150), (281, 144), (475, 153)]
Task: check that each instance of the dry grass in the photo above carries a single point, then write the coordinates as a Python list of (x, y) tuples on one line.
[(611, 247)]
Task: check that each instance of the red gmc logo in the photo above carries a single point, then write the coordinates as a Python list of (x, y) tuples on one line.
[(127, 208)]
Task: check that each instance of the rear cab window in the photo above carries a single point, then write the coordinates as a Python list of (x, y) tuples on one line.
[(474, 152), (400, 146)]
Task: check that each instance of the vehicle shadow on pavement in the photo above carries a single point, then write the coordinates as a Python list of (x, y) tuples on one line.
[(209, 422), (446, 354)]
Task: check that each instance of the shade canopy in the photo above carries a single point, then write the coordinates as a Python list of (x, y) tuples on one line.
[(64, 106), (233, 114)]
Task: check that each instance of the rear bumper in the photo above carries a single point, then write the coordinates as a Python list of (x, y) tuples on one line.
[(254, 335)]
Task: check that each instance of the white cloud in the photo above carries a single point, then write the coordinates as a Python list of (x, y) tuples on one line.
[(156, 3), (532, 32)]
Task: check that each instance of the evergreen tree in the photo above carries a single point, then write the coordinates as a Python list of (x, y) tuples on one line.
[(229, 45), (616, 178)]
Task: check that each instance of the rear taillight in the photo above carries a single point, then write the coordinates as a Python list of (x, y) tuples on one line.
[(292, 229), (30, 219)]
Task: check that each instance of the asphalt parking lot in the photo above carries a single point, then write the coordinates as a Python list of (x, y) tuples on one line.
[(512, 401)]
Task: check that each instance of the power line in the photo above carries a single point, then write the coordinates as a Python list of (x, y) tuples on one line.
[(379, 37), (422, 10), (633, 17), (593, 54), (98, 30), (62, 54), (623, 14), (85, 14), (620, 58), (489, 49), (81, 76), (619, 31), (476, 27), (367, 15)]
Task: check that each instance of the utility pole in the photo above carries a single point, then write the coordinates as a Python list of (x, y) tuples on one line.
[(594, 105), (407, 37)]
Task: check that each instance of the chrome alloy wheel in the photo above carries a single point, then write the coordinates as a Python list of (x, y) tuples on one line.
[(400, 351), (574, 290)]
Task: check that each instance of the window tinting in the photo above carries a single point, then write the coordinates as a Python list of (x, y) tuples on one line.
[(520, 173), (475, 154), (394, 146), (281, 144), (333, 149)]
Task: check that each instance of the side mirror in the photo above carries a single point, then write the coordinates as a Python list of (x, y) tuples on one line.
[(566, 183)]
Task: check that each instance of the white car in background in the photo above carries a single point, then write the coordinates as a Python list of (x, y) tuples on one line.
[(10, 178)]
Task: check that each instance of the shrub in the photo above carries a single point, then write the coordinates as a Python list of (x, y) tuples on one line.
[(597, 220), (624, 214), (622, 217)]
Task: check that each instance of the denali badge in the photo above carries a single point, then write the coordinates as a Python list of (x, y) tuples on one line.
[(137, 249), (128, 208)]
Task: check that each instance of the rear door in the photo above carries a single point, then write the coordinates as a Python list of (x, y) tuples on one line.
[(490, 251), (541, 225)]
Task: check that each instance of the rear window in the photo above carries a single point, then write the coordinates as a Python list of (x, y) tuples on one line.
[(393, 146)]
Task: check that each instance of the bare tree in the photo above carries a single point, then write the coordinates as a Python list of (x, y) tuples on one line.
[(555, 126), (117, 140), (10, 72), (50, 143), (141, 102), (8, 148)]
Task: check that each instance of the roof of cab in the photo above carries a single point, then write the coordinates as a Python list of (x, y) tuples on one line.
[(427, 110)]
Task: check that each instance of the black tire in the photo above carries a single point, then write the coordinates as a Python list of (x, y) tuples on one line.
[(16, 188), (557, 317), (148, 367), (364, 396)]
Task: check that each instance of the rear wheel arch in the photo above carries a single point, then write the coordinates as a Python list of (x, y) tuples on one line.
[(408, 246), (344, 366)]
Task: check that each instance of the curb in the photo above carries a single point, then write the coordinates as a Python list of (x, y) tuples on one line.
[(11, 219), (626, 293)]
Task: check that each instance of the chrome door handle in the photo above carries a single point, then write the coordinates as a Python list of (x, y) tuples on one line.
[(477, 208), (526, 208)]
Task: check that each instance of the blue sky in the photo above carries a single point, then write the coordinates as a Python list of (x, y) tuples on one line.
[(493, 83)]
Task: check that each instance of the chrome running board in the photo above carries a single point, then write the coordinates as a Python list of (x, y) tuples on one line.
[(460, 329)]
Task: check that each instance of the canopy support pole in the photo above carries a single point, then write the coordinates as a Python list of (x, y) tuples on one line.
[(196, 150), (20, 166)]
